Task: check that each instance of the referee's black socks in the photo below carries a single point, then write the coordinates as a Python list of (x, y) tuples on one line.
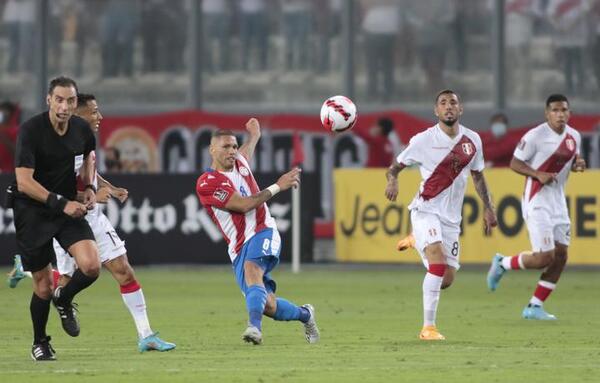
[(39, 309), (78, 282)]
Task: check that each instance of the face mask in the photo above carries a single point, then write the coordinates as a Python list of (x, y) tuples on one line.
[(498, 129)]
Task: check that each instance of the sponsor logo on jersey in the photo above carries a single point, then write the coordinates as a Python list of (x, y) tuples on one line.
[(221, 194)]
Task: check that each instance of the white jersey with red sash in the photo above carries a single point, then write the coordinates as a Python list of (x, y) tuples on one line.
[(91, 214), (545, 150), (444, 163), (214, 189)]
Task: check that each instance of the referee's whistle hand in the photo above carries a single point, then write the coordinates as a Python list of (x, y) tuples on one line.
[(75, 209)]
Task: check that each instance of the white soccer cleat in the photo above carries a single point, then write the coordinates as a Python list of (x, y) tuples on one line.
[(252, 335), (311, 331)]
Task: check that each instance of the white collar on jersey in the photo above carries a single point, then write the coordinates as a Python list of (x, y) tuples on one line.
[(447, 137)]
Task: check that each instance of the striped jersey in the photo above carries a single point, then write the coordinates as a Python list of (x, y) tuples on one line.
[(545, 150), (444, 163), (215, 188)]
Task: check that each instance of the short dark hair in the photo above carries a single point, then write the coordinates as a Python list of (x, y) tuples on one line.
[(222, 132), (499, 116), (61, 81), (446, 91), (84, 98), (557, 97), (387, 125)]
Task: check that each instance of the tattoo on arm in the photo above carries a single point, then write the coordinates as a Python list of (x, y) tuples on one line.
[(482, 189), (393, 170)]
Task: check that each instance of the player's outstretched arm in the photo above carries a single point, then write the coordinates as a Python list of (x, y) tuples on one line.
[(489, 217), (391, 189), (253, 128), (240, 204), (522, 168)]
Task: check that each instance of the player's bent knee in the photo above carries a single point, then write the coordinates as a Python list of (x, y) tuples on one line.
[(546, 258), (253, 273), (42, 286), (448, 278), (91, 268), (270, 306)]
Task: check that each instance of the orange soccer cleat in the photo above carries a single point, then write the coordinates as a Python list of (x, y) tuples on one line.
[(406, 243), (430, 333)]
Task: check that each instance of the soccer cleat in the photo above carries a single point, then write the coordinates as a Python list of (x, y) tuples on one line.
[(406, 243), (16, 274), (430, 333), (252, 335), (154, 343), (67, 313), (537, 313), (43, 351), (311, 331), (496, 272)]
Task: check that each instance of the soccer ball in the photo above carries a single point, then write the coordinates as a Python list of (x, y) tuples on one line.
[(338, 114)]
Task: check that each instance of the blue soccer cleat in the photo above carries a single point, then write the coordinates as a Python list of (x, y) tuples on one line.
[(496, 272), (536, 313), (154, 343), (16, 274)]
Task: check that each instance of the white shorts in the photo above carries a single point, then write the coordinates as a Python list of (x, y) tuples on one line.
[(428, 229), (110, 246), (544, 230)]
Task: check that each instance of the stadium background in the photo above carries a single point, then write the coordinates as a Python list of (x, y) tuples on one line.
[(166, 72)]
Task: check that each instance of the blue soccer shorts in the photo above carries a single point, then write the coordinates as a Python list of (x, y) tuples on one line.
[(263, 249)]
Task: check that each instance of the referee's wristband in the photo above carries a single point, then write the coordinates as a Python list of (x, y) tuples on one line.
[(90, 186), (274, 189), (56, 202)]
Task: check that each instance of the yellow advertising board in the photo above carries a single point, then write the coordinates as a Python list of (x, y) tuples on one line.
[(368, 226)]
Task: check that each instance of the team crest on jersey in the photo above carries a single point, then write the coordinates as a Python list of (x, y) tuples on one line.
[(467, 148), (221, 194), (570, 144), (244, 171)]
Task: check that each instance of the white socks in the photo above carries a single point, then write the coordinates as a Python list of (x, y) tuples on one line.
[(431, 296), (136, 304)]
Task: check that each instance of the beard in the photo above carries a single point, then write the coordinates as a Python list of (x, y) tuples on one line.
[(450, 121)]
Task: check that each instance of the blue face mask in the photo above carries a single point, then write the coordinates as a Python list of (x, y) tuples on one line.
[(498, 129)]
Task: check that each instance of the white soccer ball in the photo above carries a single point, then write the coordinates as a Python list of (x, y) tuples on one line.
[(338, 114)]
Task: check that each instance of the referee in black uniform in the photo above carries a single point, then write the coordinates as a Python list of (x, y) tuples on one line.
[(48, 146)]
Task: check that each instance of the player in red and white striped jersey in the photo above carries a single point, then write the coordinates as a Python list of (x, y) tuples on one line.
[(232, 198), (445, 154), (545, 156)]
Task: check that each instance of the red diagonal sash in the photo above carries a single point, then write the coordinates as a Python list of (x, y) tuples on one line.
[(555, 163), (449, 168)]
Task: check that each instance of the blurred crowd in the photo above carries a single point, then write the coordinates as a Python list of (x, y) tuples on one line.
[(398, 37)]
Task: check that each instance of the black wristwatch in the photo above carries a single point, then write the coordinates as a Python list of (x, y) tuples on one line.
[(90, 186)]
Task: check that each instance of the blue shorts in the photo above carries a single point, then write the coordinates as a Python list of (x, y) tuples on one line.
[(263, 249)]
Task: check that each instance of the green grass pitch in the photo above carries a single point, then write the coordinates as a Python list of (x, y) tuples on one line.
[(369, 319)]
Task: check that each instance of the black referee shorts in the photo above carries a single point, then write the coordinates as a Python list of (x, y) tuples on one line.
[(36, 226)]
